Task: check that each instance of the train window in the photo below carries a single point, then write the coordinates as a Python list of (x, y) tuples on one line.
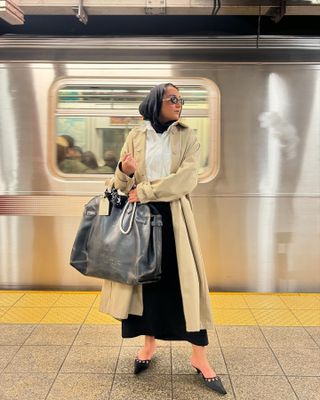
[(93, 120)]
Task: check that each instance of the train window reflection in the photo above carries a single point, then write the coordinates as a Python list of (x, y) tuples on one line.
[(91, 145), (92, 122)]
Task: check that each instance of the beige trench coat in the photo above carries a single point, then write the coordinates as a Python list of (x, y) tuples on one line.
[(118, 299)]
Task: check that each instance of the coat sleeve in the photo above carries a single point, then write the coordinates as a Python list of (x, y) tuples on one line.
[(121, 180), (178, 184)]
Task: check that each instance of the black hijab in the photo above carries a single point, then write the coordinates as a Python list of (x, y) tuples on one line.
[(151, 105)]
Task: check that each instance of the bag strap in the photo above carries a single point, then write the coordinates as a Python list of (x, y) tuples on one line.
[(125, 232)]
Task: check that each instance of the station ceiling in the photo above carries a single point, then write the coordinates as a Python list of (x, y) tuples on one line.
[(31, 13), (170, 7), (13, 11)]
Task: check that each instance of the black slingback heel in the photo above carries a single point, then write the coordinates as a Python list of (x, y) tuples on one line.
[(213, 383)]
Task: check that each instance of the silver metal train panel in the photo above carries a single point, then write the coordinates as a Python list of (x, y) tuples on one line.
[(258, 219)]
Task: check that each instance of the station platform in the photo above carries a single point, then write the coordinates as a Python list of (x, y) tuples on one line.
[(56, 345)]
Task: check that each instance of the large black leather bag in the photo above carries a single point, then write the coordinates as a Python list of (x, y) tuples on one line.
[(124, 246)]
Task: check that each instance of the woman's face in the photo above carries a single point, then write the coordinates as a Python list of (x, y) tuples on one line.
[(170, 111)]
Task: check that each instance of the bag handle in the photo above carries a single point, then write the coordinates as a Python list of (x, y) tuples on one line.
[(125, 232)]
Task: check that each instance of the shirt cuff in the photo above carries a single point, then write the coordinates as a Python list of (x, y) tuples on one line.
[(121, 176), (120, 168)]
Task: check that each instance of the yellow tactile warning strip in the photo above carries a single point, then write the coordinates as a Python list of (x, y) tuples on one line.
[(228, 308)]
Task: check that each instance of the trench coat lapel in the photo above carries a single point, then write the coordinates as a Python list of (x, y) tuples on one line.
[(175, 141), (139, 144)]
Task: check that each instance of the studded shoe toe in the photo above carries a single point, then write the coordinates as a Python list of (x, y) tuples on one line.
[(213, 383), (140, 365)]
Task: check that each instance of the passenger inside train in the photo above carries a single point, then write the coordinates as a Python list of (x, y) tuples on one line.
[(72, 159)]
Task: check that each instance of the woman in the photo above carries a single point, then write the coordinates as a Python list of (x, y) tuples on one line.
[(159, 166)]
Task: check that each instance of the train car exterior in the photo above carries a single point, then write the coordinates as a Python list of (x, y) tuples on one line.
[(256, 111)]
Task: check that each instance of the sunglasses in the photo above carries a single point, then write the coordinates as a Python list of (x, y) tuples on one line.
[(174, 100)]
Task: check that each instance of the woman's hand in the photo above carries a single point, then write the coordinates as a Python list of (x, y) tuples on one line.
[(133, 196), (128, 164)]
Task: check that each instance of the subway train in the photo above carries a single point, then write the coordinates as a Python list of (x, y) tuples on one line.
[(254, 104)]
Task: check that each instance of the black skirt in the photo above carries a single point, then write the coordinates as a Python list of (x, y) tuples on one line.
[(163, 315)]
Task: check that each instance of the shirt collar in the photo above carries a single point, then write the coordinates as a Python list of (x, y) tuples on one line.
[(149, 127)]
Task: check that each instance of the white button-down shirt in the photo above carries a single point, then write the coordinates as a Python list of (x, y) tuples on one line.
[(158, 153)]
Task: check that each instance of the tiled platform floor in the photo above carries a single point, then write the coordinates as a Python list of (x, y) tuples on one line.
[(57, 345)]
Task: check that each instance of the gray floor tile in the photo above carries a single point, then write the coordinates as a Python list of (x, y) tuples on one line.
[(136, 341), (38, 359), (262, 388), (14, 334), (288, 336), (7, 354), (241, 336), (139, 341), (213, 338), (314, 331), (25, 386), (91, 359), (181, 343), (99, 335), (181, 360), (81, 387), (186, 387), (306, 388), (160, 364), (297, 361), (53, 335), (144, 386), (88, 370), (251, 361)]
